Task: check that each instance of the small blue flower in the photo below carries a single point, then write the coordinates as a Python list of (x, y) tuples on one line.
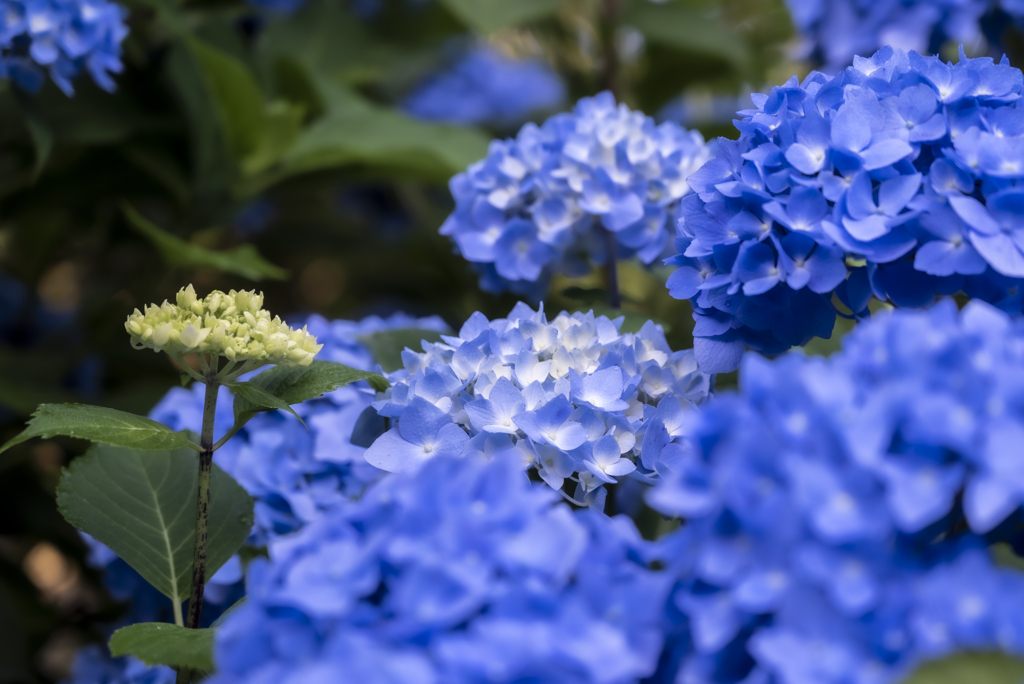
[(63, 37), (483, 86)]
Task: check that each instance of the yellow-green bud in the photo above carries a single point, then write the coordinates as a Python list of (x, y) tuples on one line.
[(222, 324)]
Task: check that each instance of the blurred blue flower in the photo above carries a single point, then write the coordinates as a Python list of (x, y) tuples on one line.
[(832, 32), (94, 666), (62, 37), (464, 573), (573, 398), (896, 178), (837, 510), (483, 86), (559, 197)]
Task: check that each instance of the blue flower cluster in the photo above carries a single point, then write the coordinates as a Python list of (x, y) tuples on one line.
[(464, 573), (602, 182), (898, 178), (483, 86), (573, 398), (833, 31), (92, 666), (64, 37), (838, 509)]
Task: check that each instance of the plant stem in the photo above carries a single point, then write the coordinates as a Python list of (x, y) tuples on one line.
[(610, 56), (195, 599), (614, 299)]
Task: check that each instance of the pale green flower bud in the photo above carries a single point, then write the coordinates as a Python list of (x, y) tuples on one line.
[(228, 324)]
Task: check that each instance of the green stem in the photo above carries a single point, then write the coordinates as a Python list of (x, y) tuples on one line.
[(614, 298), (195, 600)]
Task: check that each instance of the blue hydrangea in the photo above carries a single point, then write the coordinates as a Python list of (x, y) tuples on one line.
[(484, 86), (837, 510), (464, 573), (833, 31), (93, 666), (896, 178), (560, 197), (573, 398), (62, 37)]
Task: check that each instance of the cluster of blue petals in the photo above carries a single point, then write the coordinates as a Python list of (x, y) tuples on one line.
[(897, 178), (463, 573), (601, 182), (574, 398), (832, 32), (93, 666), (838, 510), (62, 37), (484, 86)]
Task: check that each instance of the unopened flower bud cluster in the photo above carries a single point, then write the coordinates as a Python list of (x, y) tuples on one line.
[(231, 324)]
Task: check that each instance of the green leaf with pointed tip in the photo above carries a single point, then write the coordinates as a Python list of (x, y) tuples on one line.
[(970, 668), (387, 345), (99, 424), (260, 398), (143, 506), (681, 26), (161, 643), (237, 97), (296, 384), (244, 261), (490, 15)]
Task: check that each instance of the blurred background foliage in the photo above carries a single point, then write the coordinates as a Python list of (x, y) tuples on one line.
[(250, 147)]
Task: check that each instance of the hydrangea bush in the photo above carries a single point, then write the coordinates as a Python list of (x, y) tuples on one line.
[(600, 183), (62, 38), (573, 398), (838, 509), (896, 178), (464, 572)]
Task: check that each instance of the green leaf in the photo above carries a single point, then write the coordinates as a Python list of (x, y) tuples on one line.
[(244, 260), (260, 398), (296, 384), (970, 668), (354, 132), (42, 140), (238, 98), (490, 15), (681, 26), (143, 506), (387, 345), (161, 643), (99, 424)]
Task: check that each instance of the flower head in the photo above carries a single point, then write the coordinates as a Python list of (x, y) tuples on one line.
[(573, 397), (230, 324), (602, 182), (64, 37), (898, 178)]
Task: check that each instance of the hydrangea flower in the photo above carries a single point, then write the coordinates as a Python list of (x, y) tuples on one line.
[(484, 86), (464, 573), (897, 177), (232, 325), (574, 398), (832, 32), (602, 180), (63, 37), (837, 509), (92, 666)]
